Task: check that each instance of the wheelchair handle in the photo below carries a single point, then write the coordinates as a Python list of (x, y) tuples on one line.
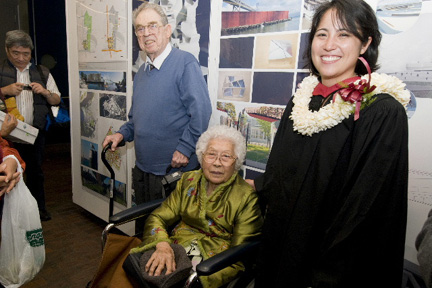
[(169, 168)]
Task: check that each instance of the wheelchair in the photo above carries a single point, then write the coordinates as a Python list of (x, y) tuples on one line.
[(207, 267), (244, 252)]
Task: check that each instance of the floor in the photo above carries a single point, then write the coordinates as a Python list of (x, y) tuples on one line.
[(72, 237)]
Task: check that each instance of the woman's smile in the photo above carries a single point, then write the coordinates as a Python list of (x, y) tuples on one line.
[(330, 58)]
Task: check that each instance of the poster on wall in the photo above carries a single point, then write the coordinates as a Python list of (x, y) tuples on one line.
[(404, 28), (99, 183), (101, 114), (103, 80), (257, 123), (308, 12), (258, 16), (101, 30), (190, 23), (257, 70), (100, 37)]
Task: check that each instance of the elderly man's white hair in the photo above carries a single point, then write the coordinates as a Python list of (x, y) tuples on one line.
[(146, 5), (223, 132)]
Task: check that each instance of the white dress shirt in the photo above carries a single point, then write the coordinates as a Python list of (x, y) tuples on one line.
[(25, 99)]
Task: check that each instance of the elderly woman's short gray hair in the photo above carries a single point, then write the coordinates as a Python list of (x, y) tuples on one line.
[(146, 5), (223, 132)]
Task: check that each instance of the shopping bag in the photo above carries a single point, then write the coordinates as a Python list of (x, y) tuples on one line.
[(22, 248)]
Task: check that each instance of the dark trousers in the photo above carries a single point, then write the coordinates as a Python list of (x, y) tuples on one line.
[(147, 187), (33, 175)]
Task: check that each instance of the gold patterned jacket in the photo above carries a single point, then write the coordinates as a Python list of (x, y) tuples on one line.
[(229, 217)]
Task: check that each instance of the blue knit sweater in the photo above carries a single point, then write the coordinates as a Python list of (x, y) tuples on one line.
[(170, 110)]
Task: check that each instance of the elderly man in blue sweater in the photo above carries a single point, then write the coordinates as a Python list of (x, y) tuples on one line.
[(170, 106)]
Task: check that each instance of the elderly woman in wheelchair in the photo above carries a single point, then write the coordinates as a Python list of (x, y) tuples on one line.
[(211, 209)]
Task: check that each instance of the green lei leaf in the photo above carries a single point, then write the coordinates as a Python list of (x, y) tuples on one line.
[(369, 99)]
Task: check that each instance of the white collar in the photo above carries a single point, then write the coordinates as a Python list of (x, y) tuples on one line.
[(25, 69), (157, 63)]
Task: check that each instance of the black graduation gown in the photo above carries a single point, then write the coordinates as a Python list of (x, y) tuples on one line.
[(337, 202)]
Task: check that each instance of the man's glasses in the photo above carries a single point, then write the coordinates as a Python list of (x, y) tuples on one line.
[(151, 28), (225, 158)]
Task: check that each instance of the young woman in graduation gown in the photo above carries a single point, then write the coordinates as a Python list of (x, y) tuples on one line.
[(336, 180)]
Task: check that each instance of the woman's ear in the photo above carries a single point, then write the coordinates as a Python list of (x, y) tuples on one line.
[(365, 46)]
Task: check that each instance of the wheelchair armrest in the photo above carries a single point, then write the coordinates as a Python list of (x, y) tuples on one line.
[(129, 215), (135, 212), (226, 258)]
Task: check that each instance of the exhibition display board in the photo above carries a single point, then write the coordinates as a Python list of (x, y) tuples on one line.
[(250, 52)]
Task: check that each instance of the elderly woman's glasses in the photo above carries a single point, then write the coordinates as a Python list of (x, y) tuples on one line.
[(224, 158), (151, 28)]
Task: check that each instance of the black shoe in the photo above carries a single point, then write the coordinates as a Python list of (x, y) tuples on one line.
[(44, 215)]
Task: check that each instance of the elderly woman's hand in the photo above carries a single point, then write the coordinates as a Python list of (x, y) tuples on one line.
[(9, 176), (161, 258)]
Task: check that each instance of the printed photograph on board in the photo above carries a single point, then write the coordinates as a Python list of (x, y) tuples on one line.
[(236, 52), (412, 67), (304, 40), (100, 184), (276, 51), (235, 85), (259, 16), (395, 16), (103, 80), (89, 154), (113, 106), (258, 124), (116, 159), (274, 88), (309, 7), (190, 22), (89, 114), (101, 30)]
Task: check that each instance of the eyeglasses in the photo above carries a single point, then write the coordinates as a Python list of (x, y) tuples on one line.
[(225, 158), (151, 28)]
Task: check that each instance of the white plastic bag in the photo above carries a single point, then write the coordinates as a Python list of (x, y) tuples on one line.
[(22, 248)]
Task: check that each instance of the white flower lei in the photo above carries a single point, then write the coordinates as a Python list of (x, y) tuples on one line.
[(308, 122)]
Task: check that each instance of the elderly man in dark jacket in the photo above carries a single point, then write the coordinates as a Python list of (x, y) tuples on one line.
[(34, 90)]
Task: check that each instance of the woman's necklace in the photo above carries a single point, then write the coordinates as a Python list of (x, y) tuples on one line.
[(308, 122)]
